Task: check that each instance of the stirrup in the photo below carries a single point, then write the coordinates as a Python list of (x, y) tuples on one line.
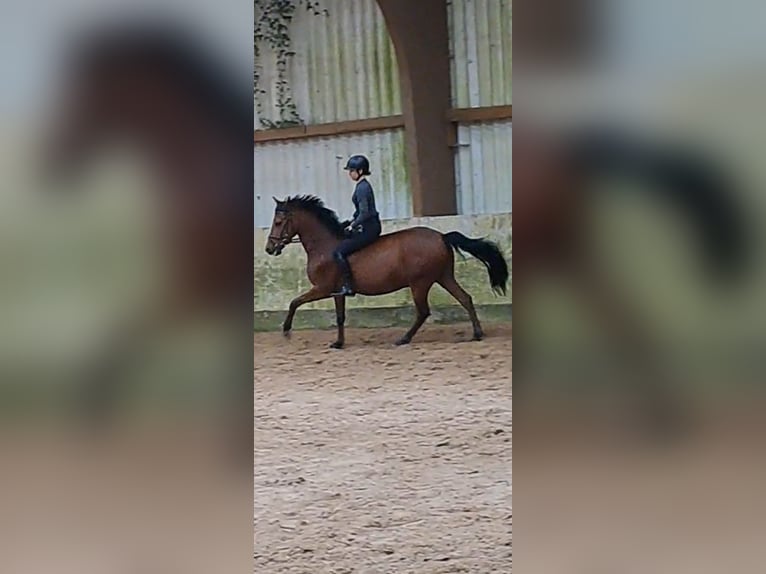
[(345, 291)]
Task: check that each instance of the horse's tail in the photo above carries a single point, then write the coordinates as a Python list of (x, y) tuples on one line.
[(682, 179), (485, 251)]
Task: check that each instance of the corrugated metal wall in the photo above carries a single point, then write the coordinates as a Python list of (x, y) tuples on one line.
[(480, 32), (315, 166), (344, 66), (483, 168)]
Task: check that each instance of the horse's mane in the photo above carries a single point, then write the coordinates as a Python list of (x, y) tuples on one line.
[(315, 206), (178, 58)]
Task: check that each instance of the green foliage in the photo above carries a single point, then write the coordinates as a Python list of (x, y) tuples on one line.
[(271, 28)]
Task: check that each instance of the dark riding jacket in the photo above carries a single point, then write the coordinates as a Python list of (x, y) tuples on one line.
[(364, 204)]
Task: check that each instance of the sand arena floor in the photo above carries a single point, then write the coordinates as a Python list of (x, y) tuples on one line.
[(383, 459)]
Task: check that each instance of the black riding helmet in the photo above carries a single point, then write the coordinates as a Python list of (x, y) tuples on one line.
[(359, 163)]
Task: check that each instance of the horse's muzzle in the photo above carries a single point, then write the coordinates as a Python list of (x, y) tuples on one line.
[(276, 251)]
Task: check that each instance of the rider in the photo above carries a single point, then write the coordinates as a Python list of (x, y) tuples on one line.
[(364, 228)]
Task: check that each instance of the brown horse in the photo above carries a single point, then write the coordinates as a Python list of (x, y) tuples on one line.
[(416, 258)]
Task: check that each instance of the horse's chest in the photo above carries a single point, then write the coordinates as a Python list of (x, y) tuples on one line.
[(317, 269)]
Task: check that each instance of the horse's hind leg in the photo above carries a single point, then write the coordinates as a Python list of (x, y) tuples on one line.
[(420, 296), (453, 288)]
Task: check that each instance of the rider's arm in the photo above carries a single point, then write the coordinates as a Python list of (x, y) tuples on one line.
[(348, 222)]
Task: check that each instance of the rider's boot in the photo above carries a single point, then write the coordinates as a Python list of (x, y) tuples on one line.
[(347, 290)]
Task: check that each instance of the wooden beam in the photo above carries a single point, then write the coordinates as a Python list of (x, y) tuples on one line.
[(329, 129), (486, 114)]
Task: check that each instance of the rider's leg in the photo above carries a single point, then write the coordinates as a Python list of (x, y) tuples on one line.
[(341, 254), (348, 246)]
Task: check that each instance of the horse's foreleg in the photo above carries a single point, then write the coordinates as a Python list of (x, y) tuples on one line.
[(313, 294), (340, 315)]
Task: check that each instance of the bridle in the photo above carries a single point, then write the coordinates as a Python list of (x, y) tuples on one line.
[(282, 240)]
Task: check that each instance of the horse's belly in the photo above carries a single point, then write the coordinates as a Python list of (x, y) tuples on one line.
[(410, 260), (379, 289), (385, 281)]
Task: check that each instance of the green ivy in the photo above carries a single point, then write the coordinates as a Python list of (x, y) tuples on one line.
[(272, 28)]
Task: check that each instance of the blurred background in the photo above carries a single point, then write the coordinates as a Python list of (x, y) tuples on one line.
[(638, 373), (125, 369), (638, 294), (676, 80)]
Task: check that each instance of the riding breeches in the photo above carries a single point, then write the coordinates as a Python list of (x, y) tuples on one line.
[(370, 232)]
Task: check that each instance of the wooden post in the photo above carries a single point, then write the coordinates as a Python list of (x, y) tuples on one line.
[(419, 31)]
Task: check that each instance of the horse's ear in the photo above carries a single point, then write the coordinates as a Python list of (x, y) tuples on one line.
[(275, 200)]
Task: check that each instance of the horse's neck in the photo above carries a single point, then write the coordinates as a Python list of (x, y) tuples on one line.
[(316, 239)]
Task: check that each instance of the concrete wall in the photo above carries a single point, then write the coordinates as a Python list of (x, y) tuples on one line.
[(278, 280)]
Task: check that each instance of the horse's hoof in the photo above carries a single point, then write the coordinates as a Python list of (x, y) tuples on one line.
[(477, 336), (337, 345), (402, 341), (286, 333)]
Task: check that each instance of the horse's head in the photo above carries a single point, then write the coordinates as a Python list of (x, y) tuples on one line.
[(304, 214), (283, 229)]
